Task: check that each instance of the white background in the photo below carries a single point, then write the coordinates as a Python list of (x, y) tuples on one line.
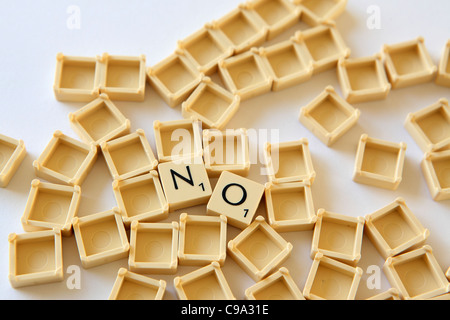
[(32, 32)]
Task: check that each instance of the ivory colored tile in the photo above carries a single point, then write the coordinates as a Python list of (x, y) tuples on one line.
[(391, 294), (436, 170), (325, 46), (123, 77), (443, 75), (154, 247), (206, 48), (51, 206), (290, 206), (329, 279), (206, 283), (430, 126), (99, 121), (338, 237), (237, 198), (77, 79), (288, 63), (277, 15), (363, 79), (65, 160), (178, 139), (101, 238), (12, 153), (243, 28), (444, 297), (141, 198), (289, 162), (246, 75), (185, 184), (323, 10), (203, 240), (416, 274), (278, 286), (211, 104), (379, 163), (409, 63), (133, 286), (129, 156), (259, 249), (174, 78), (329, 116), (394, 229), (35, 258), (226, 151)]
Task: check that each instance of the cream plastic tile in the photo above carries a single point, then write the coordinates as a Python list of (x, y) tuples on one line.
[(379, 163), (178, 139), (408, 63), (325, 46), (77, 79), (363, 79), (174, 78), (35, 258), (436, 170), (391, 294), (141, 198), (153, 248), (12, 153), (278, 286), (430, 127), (277, 15), (338, 237), (246, 75), (211, 104), (289, 162), (206, 283), (443, 75), (243, 28), (226, 151), (123, 78), (206, 48), (329, 116), (416, 274), (185, 184), (65, 160), (330, 279), (203, 240), (444, 297), (323, 10), (101, 238), (129, 156), (133, 286), (395, 229), (259, 249), (290, 207), (51, 206), (288, 63), (99, 121), (237, 198)]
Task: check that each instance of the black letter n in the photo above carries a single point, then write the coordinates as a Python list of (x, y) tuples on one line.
[(190, 180)]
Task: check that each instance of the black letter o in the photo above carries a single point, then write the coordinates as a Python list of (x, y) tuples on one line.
[(244, 194)]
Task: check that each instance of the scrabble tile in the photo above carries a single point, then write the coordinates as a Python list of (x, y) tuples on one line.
[(203, 239), (185, 184), (65, 160), (133, 286), (237, 198), (129, 156), (259, 249)]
